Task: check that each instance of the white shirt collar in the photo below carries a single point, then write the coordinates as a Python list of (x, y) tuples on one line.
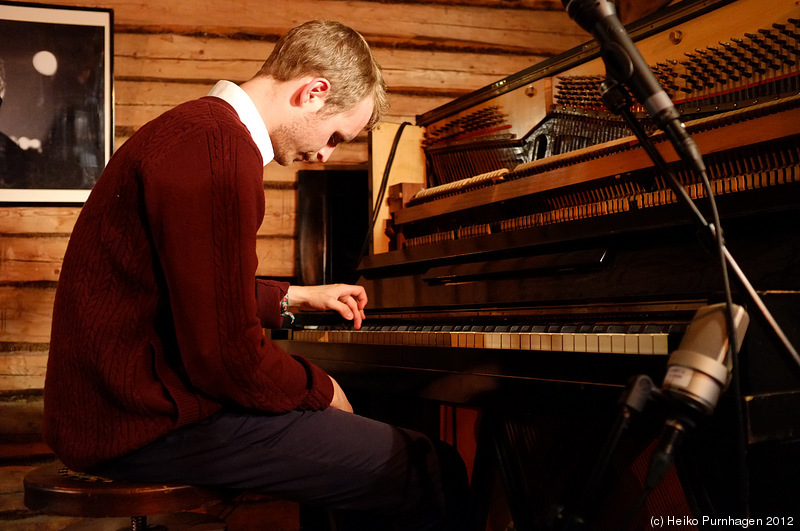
[(248, 114)]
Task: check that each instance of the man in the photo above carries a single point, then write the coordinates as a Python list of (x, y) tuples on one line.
[(159, 369)]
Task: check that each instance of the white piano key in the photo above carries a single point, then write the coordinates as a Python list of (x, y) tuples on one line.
[(536, 341), (505, 341), (592, 343), (660, 344), (580, 342), (645, 344), (556, 342), (617, 343), (479, 339), (493, 340), (604, 343), (568, 342), (631, 344), (525, 341)]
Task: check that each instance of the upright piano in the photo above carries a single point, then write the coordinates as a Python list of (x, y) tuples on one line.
[(538, 261)]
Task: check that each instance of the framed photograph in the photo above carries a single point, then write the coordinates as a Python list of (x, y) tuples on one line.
[(56, 114)]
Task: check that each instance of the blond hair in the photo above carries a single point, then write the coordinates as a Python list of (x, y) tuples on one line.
[(339, 54)]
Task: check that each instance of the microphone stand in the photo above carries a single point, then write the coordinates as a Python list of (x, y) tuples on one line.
[(633, 400), (640, 389)]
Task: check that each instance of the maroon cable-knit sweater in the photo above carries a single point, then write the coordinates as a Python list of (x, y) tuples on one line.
[(158, 315)]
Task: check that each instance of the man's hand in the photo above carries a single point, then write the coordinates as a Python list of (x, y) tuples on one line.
[(349, 301), (339, 400)]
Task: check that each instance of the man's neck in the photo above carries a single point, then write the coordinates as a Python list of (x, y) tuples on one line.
[(270, 99)]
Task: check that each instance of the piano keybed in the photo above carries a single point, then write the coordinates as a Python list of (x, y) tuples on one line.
[(638, 339)]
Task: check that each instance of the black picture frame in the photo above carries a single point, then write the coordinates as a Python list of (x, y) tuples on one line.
[(56, 115)]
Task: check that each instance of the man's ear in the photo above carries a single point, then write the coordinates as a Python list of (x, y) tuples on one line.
[(313, 93)]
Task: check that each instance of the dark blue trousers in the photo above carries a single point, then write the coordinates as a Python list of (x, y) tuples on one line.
[(397, 479)]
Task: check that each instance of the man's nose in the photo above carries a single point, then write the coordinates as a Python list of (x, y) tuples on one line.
[(325, 153)]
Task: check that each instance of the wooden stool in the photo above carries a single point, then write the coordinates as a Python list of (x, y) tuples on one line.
[(54, 489)]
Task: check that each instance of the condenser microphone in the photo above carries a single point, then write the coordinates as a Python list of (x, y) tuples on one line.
[(697, 374), (625, 65), (700, 369)]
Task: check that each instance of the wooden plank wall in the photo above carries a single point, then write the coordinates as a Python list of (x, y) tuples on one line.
[(168, 52)]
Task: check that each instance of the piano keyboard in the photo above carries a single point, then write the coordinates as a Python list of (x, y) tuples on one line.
[(649, 339)]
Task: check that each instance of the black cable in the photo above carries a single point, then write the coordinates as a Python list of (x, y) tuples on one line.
[(381, 193), (733, 351)]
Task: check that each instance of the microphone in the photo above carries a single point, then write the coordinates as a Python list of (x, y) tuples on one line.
[(697, 373), (625, 65)]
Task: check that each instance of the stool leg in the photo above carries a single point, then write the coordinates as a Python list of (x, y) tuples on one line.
[(138, 523)]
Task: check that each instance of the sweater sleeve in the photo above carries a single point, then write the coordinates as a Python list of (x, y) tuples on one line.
[(204, 205), (268, 299)]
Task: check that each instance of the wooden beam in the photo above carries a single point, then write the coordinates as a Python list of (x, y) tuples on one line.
[(21, 369), (25, 314), (172, 57), (139, 102), (469, 26), (37, 219), (32, 259), (276, 256)]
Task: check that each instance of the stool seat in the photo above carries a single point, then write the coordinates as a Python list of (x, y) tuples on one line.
[(54, 489)]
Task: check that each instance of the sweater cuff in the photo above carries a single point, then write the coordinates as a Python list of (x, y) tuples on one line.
[(268, 302), (320, 387)]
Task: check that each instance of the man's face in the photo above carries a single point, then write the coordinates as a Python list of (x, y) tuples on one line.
[(314, 136)]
